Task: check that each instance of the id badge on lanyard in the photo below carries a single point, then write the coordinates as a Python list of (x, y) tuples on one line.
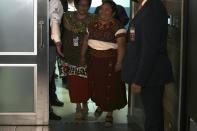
[(132, 33), (76, 41)]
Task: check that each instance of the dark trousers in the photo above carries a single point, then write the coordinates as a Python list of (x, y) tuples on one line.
[(152, 98), (52, 87)]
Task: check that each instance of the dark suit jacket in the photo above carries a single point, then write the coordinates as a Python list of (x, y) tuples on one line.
[(146, 62)]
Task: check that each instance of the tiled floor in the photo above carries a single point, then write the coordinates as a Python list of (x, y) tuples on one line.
[(92, 127)]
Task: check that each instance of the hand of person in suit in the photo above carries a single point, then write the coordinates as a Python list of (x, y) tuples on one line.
[(59, 48), (136, 88)]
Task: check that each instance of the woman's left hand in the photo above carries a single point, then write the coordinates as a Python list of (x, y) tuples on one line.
[(118, 67)]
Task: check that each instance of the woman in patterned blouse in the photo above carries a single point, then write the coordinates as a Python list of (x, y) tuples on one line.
[(75, 24)]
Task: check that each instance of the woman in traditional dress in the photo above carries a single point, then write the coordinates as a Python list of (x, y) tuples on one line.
[(75, 24), (106, 45)]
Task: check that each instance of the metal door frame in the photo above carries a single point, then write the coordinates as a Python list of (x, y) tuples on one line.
[(184, 118)]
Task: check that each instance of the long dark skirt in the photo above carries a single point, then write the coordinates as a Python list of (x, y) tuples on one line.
[(108, 91)]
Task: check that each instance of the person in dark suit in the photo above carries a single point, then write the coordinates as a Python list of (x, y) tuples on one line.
[(120, 15), (146, 67)]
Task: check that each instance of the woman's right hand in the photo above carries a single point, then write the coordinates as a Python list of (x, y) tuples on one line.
[(59, 48)]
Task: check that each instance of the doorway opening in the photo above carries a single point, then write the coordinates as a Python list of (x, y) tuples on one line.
[(67, 112)]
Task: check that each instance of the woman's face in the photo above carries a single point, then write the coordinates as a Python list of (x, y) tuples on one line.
[(105, 12), (83, 7)]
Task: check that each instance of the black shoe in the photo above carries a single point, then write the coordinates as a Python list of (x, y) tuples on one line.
[(57, 102), (53, 116)]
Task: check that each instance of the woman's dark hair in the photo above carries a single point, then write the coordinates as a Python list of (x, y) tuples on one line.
[(112, 4), (76, 3)]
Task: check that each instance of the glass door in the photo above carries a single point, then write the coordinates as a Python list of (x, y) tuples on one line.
[(23, 62)]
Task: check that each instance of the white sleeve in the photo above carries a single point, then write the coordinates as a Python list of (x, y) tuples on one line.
[(55, 13), (55, 10), (55, 32)]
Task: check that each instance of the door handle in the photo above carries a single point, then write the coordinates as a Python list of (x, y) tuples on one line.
[(41, 23)]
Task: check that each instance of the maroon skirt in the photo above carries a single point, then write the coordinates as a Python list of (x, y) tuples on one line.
[(78, 89), (108, 90)]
